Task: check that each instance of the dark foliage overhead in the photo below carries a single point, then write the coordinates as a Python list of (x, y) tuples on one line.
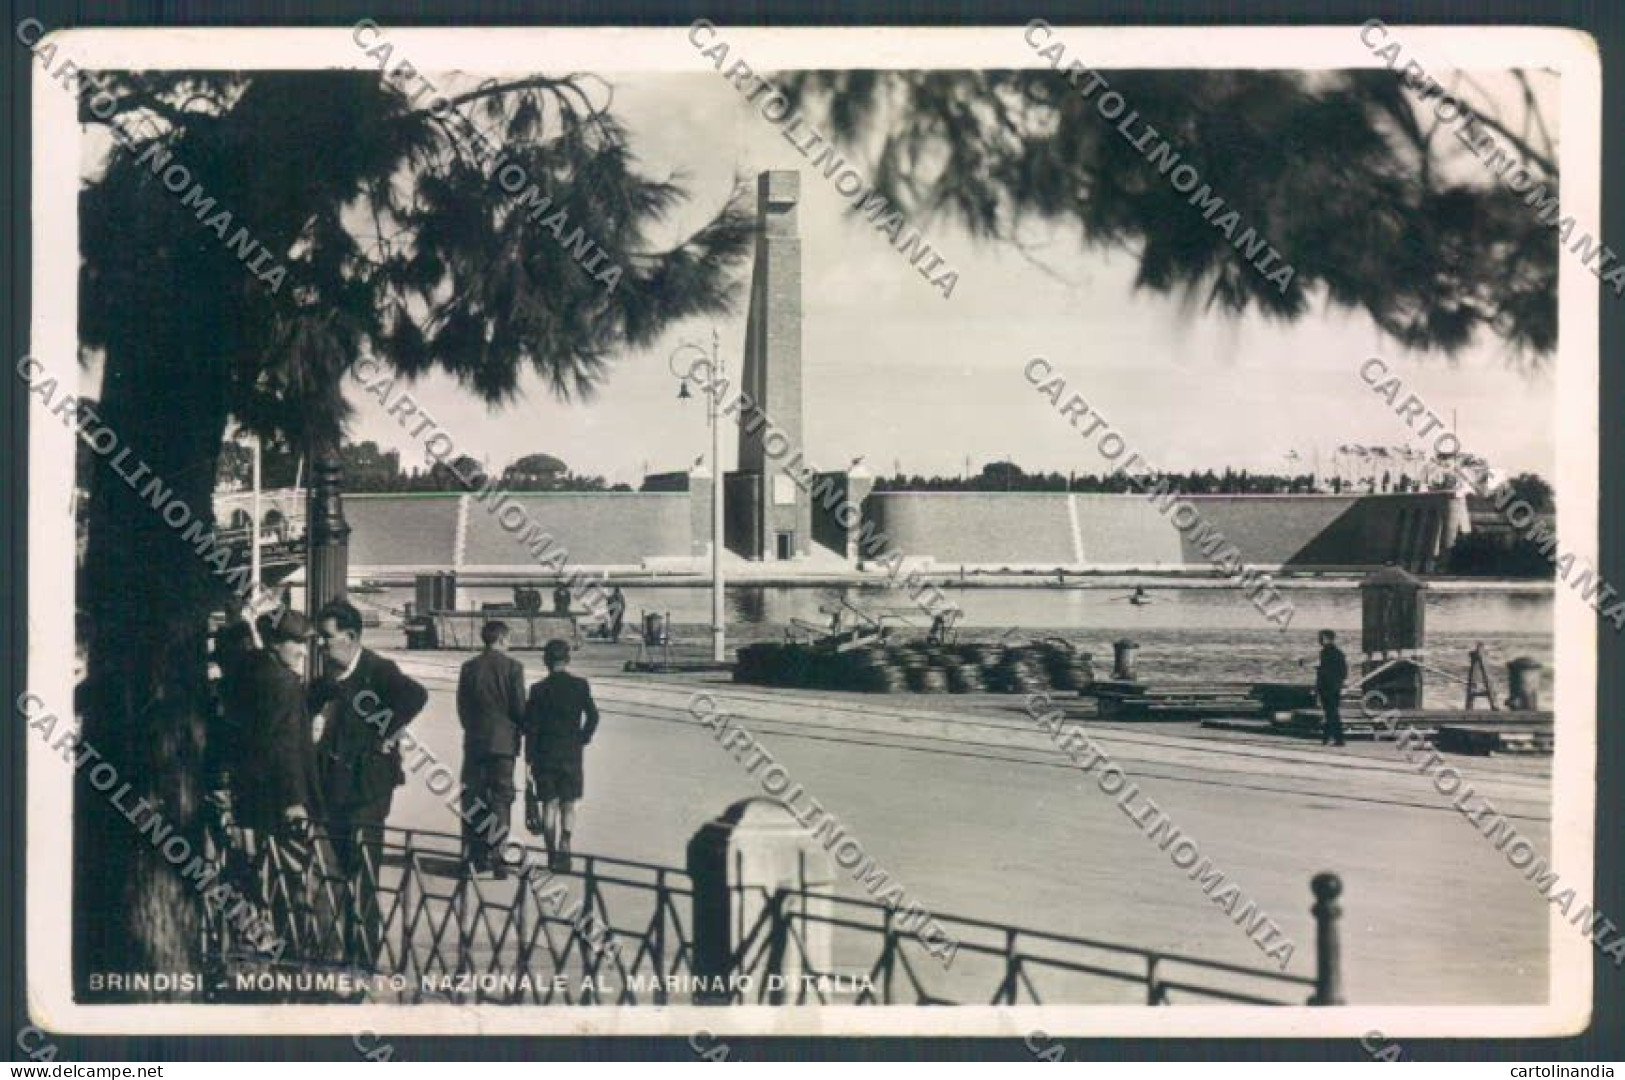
[(1340, 171), (396, 233), (297, 222)]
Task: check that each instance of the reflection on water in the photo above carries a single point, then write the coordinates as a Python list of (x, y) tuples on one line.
[(1099, 609), (747, 606)]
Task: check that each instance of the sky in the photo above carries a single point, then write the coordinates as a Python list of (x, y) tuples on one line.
[(896, 373)]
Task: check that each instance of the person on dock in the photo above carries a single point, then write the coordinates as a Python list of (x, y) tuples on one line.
[(560, 719), (561, 598), (1330, 675), (364, 701), (491, 709)]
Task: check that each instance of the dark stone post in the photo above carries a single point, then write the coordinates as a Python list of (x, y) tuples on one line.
[(1327, 888), (327, 536), (1524, 683), (757, 856)]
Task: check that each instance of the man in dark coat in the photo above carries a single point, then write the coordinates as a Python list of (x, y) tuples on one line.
[(230, 657), (269, 765), (1330, 675), (560, 718), (490, 708), (273, 766), (365, 701)]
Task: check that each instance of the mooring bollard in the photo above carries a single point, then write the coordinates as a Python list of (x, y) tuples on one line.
[(1123, 659), (757, 856), (1327, 887), (1524, 679)]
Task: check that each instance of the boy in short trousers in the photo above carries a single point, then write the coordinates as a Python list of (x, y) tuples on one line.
[(560, 718)]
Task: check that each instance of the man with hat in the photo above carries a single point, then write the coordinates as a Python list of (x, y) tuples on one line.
[(271, 761), (273, 767)]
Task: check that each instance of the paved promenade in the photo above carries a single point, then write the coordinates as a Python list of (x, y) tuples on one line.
[(969, 804)]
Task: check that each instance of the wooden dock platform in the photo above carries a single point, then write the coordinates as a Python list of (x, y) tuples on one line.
[(1137, 701), (1289, 710)]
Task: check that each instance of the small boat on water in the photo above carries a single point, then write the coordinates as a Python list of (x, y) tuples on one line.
[(367, 588)]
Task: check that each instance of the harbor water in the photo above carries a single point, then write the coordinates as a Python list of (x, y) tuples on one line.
[(1184, 634)]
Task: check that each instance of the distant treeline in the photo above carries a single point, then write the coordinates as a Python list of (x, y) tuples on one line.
[(1496, 547), (1007, 476), (368, 469), (1500, 553)]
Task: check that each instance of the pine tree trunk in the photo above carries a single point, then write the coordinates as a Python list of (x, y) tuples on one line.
[(147, 592)]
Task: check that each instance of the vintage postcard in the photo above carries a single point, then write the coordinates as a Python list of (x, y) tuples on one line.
[(716, 531)]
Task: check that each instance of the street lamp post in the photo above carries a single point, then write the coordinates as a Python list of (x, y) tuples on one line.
[(716, 379)]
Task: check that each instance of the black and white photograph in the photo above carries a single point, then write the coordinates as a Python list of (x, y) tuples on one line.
[(715, 531)]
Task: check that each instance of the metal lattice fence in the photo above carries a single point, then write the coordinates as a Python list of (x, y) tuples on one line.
[(402, 922)]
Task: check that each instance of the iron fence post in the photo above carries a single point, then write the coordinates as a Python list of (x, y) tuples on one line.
[(1327, 887), (591, 957), (888, 959), (521, 951), (467, 911), (408, 874), (1012, 967), (658, 942)]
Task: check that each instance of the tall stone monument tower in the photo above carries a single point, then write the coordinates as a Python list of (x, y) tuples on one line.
[(781, 525)]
